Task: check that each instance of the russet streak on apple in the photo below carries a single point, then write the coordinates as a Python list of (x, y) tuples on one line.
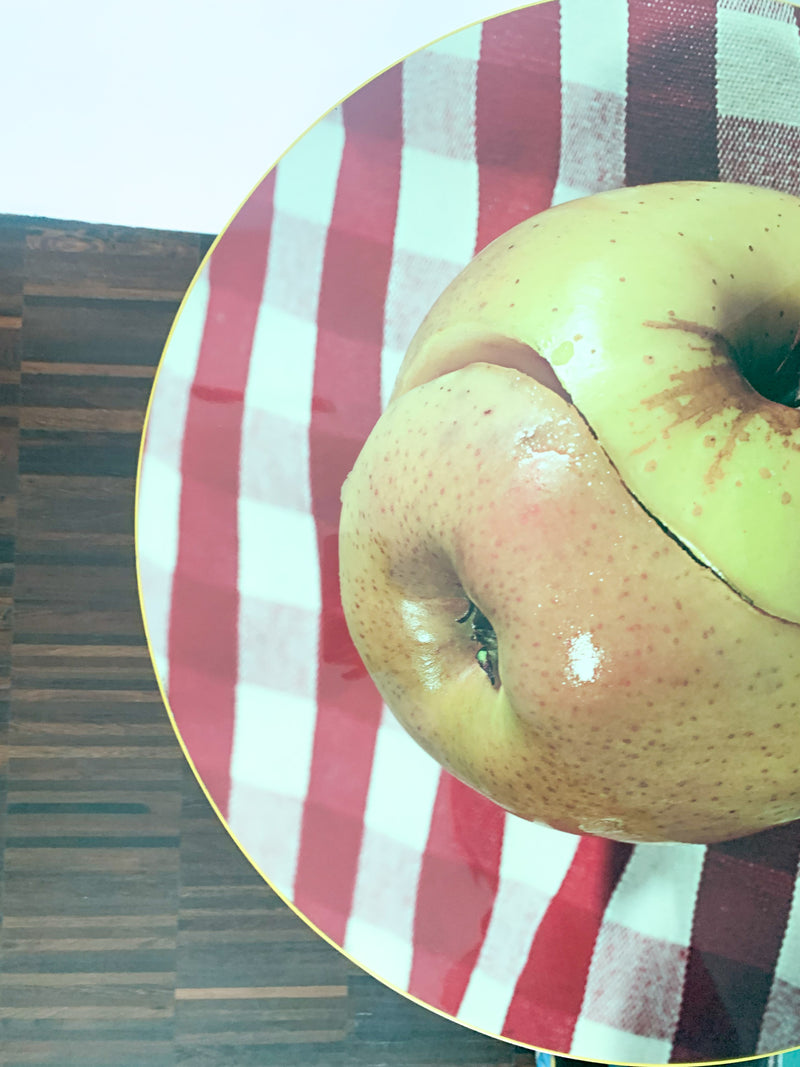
[(569, 548)]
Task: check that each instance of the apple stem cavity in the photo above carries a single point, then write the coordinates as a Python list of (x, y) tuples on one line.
[(792, 358), (483, 634), (779, 382)]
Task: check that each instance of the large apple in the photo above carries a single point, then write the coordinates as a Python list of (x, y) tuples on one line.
[(569, 549)]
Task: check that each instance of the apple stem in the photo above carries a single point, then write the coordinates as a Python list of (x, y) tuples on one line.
[(486, 663), (483, 633)]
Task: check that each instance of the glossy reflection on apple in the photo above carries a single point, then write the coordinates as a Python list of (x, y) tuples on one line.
[(568, 548)]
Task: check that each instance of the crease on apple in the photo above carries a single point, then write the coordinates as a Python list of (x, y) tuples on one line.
[(579, 288), (453, 348)]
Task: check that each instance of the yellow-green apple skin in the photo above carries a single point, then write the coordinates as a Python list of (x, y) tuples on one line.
[(572, 447)]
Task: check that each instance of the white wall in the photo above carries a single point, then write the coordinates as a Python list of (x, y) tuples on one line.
[(165, 113)]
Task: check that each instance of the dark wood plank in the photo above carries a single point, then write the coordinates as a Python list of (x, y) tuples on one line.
[(92, 857), (109, 262), (11, 306)]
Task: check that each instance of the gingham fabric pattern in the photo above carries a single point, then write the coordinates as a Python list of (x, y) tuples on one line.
[(278, 367)]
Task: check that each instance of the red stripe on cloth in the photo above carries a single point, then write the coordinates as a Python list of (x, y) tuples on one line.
[(518, 117), (549, 992), (347, 400), (671, 119), (743, 905), (203, 632), (457, 888)]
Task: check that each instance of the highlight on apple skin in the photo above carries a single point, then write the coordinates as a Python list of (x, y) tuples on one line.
[(569, 547)]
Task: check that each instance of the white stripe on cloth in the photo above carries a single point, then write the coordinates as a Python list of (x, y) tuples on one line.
[(305, 178), (270, 766), (635, 981), (594, 57), (277, 558), (779, 1026), (281, 372), (434, 239), (279, 578), (402, 793), (437, 210), (276, 653), (758, 61), (607, 1043), (160, 482), (657, 891), (758, 87), (534, 862)]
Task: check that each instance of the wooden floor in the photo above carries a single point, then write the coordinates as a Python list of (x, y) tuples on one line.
[(134, 933)]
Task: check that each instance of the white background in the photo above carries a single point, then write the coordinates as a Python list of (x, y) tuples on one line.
[(165, 113)]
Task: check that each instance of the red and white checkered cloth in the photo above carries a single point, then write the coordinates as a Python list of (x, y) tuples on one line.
[(276, 371)]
